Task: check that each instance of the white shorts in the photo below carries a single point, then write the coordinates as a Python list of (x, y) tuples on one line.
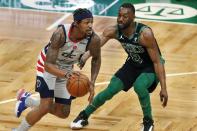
[(50, 86)]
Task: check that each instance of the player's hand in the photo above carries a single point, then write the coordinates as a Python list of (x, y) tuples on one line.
[(164, 97), (91, 90), (83, 59), (68, 75), (72, 74), (76, 73)]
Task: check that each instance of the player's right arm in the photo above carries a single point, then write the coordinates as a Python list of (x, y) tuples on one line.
[(56, 42), (109, 33)]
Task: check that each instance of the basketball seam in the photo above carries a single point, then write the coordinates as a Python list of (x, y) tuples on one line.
[(82, 77), (70, 86), (84, 83)]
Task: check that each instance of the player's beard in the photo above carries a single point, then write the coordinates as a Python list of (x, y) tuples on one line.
[(124, 26)]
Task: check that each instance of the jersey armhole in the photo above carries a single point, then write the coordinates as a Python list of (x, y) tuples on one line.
[(62, 26), (89, 40), (117, 32), (142, 29)]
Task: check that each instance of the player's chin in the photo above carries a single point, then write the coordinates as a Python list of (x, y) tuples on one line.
[(121, 26), (89, 33)]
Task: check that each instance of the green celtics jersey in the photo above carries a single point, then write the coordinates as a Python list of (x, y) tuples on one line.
[(137, 53)]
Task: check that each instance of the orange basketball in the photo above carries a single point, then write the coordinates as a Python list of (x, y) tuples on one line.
[(78, 85)]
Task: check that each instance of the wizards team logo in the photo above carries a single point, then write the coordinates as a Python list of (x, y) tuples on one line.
[(58, 5)]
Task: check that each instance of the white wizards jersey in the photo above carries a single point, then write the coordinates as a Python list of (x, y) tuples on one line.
[(68, 55)]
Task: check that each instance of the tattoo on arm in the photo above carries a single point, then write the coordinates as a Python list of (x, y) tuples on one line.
[(51, 55), (57, 40)]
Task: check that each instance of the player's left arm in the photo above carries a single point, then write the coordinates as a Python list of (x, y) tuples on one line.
[(95, 52), (148, 40)]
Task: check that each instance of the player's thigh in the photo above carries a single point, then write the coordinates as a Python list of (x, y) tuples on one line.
[(62, 97), (45, 85), (144, 80), (61, 90)]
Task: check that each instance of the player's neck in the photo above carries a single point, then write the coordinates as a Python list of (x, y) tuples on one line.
[(76, 35), (129, 30)]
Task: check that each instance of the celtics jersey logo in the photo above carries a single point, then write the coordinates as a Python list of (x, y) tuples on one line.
[(58, 5)]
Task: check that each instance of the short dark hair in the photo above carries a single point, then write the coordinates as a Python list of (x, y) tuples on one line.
[(81, 13), (128, 5)]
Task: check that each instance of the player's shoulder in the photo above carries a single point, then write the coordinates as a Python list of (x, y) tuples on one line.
[(58, 38), (144, 29), (95, 38), (147, 37), (59, 30), (94, 43), (147, 33)]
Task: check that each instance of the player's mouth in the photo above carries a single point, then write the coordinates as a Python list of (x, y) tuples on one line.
[(89, 32)]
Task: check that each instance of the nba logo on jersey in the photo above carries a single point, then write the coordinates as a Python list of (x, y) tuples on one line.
[(135, 40), (121, 37)]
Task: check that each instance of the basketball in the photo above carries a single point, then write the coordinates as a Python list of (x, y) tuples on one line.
[(78, 85)]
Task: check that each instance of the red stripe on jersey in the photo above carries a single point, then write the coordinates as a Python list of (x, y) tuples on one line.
[(40, 63), (40, 69), (43, 56)]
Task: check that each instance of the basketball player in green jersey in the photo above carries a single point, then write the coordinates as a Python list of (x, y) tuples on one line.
[(143, 69)]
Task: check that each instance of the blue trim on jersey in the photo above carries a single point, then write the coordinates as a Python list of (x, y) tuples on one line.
[(63, 101), (64, 31), (89, 40), (46, 48)]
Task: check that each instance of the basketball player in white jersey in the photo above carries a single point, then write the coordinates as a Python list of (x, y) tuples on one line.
[(55, 66)]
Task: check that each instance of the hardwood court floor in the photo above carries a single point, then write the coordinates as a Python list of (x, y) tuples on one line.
[(23, 34)]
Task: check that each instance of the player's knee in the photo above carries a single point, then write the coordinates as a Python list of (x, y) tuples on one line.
[(64, 114), (106, 95), (61, 115), (63, 111), (45, 106), (140, 90), (44, 110), (114, 87), (110, 91)]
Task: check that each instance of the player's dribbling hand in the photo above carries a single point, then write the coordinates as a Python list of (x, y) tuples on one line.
[(91, 90), (164, 97), (72, 74), (83, 59)]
